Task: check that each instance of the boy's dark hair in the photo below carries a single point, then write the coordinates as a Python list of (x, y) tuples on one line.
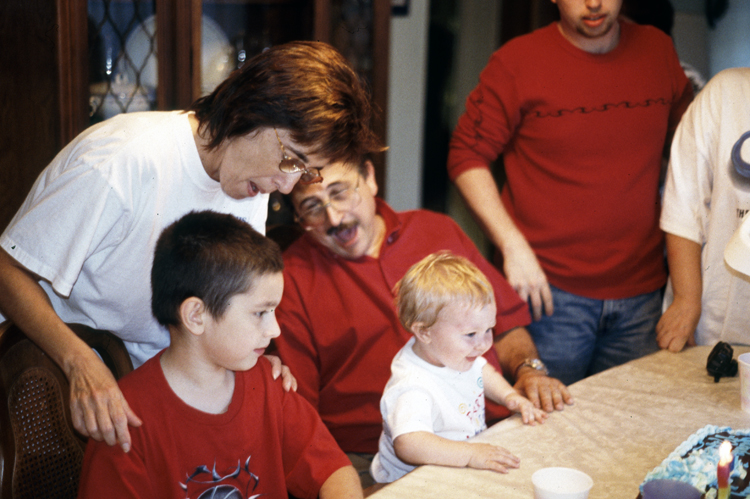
[(211, 256), (305, 87)]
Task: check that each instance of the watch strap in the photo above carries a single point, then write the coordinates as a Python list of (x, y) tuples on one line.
[(536, 364)]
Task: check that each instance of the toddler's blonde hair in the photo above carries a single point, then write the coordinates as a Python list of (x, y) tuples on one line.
[(436, 280)]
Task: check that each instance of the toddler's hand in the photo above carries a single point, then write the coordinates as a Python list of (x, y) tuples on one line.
[(529, 413), (491, 457)]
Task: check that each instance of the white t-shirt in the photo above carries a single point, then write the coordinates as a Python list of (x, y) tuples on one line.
[(705, 200), (422, 397), (90, 223)]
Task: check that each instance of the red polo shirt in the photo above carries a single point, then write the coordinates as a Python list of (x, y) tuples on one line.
[(339, 326)]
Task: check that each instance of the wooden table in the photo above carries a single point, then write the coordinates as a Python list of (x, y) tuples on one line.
[(625, 421)]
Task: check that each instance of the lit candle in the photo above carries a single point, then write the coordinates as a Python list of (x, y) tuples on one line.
[(726, 463)]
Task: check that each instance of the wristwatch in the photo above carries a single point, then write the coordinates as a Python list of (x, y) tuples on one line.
[(534, 364)]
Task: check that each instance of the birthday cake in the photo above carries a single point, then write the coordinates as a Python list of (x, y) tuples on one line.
[(696, 459)]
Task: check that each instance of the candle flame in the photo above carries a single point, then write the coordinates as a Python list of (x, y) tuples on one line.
[(725, 452)]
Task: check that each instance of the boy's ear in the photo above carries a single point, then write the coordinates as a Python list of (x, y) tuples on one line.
[(193, 315), (421, 332)]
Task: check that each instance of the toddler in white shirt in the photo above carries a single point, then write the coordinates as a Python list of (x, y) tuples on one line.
[(434, 400)]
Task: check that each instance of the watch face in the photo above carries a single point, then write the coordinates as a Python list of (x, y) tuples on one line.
[(538, 365), (534, 364)]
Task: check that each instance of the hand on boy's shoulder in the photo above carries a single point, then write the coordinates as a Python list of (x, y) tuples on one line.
[(288, 381), (545, 393), (98, 407)]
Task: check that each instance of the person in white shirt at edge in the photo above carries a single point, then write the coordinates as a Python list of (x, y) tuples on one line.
[(80, 247), (706, 199), (434, 400)]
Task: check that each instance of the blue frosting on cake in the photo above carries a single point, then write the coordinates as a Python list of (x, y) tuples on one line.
[(695, 460)]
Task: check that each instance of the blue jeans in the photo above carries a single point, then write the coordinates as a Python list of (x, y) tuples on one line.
[(585, 336)]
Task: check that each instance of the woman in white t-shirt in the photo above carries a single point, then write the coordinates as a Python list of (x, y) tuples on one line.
[(80, 247)]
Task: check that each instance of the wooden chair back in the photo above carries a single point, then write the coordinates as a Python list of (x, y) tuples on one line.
[(40, 452)]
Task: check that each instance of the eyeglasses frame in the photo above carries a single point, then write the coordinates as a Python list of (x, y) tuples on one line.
[(292, 165), (324, 208)]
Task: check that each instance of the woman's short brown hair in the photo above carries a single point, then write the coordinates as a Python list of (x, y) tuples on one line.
[(305, 87)]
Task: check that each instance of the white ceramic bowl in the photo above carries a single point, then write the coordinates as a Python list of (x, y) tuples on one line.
[(561, 483), (217, 59)]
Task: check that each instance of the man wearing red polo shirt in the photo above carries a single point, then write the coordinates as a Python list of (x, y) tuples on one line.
[(340, 329)]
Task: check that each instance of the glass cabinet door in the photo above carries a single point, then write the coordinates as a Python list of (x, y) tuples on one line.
[(245, 27), (122, 57), (351, 33), (123, 48), (359, 29), (205, 40)]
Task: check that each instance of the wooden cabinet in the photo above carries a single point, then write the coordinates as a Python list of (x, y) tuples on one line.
[(52, 55), (43, 90)]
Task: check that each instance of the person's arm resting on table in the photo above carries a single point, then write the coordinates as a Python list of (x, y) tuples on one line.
[(522, 269), (513, 348), (421, 447), (498, 390), (98, 408), (676, 328), (415, 442), (342, 484)]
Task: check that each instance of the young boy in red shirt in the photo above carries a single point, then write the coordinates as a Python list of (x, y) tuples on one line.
[(214, 419)]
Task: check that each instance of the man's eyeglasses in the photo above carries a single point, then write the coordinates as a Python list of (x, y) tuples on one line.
[(292, 165), (314, 213)]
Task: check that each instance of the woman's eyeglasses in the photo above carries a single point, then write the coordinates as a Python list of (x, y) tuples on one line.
[(293, 165)]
